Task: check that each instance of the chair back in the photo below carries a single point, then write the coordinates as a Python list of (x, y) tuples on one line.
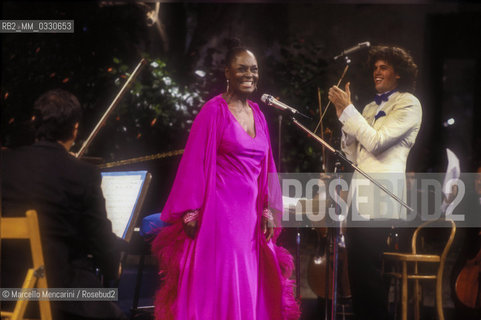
[(449, 241), (27, 228)]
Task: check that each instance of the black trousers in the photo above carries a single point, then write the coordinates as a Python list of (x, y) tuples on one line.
[(365, 247)]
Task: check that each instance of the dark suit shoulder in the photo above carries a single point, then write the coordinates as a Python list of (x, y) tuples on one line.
[(45, 170), (66, 162), (83, 168)]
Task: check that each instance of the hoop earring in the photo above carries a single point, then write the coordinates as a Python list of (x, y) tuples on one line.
[(227, 89)]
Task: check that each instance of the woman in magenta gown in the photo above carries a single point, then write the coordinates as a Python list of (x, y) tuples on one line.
[(218, 258)]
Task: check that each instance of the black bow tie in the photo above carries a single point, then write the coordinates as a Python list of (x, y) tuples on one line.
[(379, 98), (379, 115)]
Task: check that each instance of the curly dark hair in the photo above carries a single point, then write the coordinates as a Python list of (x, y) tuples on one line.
[(55, 114), (400, 60)]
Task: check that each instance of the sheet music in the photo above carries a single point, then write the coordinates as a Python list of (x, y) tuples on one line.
[(289, 203), (453, 171), (452, 175), (121, 191)]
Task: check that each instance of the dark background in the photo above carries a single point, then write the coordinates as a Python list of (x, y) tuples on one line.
[(294, 44)]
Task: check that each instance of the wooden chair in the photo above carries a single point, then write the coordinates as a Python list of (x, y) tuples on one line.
[(411, 260), (27, 228)]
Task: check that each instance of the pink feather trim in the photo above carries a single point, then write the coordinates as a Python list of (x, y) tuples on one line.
[(168, 248)]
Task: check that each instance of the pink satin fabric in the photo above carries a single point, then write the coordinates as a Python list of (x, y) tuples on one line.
[(229, 271)]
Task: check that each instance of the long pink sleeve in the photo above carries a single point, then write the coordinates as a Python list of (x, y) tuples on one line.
[(196, 167)]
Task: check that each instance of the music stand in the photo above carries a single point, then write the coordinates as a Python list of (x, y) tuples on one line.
[(124, 194)]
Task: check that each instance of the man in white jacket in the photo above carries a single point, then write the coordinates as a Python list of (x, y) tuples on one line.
[(378, 141)]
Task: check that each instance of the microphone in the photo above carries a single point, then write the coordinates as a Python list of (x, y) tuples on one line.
[(273, 102), (357, 47)]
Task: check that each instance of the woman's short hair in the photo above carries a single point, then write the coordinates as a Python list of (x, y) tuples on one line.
[(234, 48)]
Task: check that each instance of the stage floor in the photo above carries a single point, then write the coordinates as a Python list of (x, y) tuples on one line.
[(312, 307)]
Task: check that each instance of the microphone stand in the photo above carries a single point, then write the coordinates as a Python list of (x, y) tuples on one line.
[(351, 164), (336, 236), (336, 241), (279, 143)]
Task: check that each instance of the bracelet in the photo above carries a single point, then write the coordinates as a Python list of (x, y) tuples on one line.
[(266, 213), (190, 216)]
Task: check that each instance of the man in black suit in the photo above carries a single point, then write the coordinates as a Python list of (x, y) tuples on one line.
[(66, 193)]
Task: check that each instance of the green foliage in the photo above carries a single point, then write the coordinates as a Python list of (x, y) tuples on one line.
[(294, 73), (36, 62), (299, 72), (155, 116), (93, 63)]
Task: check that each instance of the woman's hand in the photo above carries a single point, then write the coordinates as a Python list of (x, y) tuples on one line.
[(190, 219), (190, 229), (267, 228)]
